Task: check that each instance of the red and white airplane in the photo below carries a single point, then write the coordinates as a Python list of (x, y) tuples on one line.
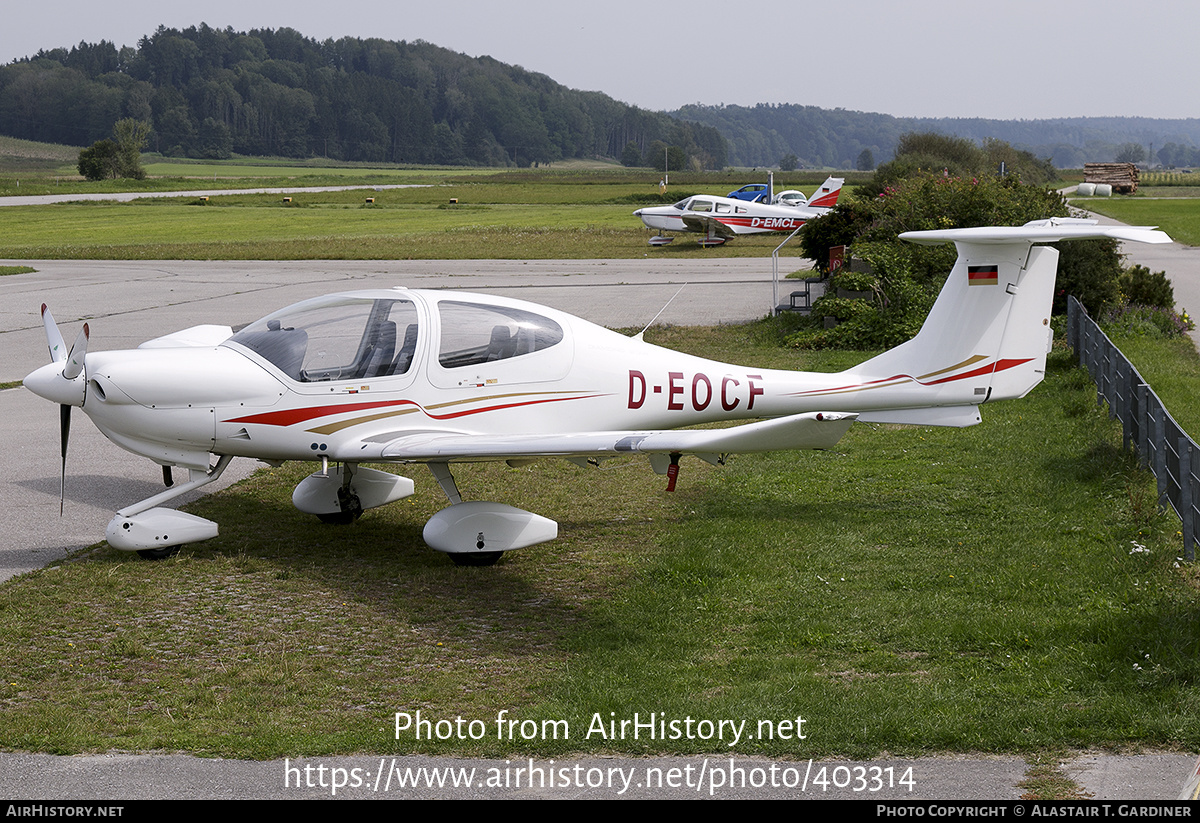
[(723, 218), (441, 377)]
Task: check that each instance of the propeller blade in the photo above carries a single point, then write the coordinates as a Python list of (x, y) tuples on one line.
[(64, 434), (76, 358), (54, 338), (73, 365)]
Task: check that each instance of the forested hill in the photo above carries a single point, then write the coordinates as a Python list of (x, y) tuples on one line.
[(761, 135), (209, 92)]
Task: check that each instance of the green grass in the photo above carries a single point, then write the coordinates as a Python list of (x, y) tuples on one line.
[(1178, 217), (35, 161), (402, 224), (570, 210), (1169, 191), (1172, 368), (913, 591)]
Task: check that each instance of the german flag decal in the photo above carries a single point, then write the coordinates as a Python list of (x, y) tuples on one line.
[(982, 276)]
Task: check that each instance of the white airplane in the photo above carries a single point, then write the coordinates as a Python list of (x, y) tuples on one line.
[(440, 377), (723, 218)]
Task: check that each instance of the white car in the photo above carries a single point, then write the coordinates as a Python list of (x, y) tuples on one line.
[(791, 197)]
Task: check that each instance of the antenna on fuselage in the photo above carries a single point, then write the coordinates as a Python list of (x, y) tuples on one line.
[(638, 337)]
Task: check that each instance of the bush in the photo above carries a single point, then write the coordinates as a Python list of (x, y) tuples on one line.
[(1088, 269), (120, 157), (1129, 320), (1142, 287), (100, 161), (894, 313), (930, 153), (908, 277)]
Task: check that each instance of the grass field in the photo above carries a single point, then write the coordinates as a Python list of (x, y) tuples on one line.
[(577, 210), (513, 215), (1178, 217), (1172, 368), (1006, 588), (273, 232)]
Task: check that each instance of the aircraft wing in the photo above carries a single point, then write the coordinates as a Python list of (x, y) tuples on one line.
[(708, 225), (811, 430)]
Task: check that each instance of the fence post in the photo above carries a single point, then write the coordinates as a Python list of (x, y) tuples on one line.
[(1073, 326), (1125, 393), (1110, 390), (1187, 509), (1160, 452), (1143, 420)]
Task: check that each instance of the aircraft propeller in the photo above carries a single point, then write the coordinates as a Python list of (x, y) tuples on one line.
[(48, 383)]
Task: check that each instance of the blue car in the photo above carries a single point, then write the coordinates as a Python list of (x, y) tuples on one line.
[(750, 193)]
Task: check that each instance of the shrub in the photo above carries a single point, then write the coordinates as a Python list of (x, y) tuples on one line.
[(99, 161), (1142, 287), (908, 277), (1129, 320), (1088, 269)]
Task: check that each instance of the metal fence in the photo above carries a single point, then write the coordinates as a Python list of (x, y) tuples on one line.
[(1148, 427)]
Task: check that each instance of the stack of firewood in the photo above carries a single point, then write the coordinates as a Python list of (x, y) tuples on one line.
[(1123, 177)]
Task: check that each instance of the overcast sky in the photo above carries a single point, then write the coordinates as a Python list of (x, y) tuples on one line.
[(1008, 59)]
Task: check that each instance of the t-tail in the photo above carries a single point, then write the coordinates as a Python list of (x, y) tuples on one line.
[(988, 333), (826, 195)]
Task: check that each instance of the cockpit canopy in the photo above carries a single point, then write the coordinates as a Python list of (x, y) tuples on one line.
[(337, 338), (474, 333), (709, 205), (365, 337)]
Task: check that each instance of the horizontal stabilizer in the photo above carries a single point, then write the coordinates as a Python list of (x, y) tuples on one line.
[(1050, 230), (953, 416)]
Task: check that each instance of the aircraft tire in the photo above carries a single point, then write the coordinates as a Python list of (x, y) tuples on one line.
[(339, 518), (475, 558), (158, 554)]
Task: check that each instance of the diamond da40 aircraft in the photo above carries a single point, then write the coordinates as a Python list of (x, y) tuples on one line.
[(723, 218), (440, 377)]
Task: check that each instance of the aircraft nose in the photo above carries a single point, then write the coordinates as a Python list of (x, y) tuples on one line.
[(48, 382)]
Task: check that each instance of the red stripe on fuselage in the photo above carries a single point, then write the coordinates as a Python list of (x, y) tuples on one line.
[(289, 417), (998, 366)]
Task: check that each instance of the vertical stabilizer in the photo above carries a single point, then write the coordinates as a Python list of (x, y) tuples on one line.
[(988, 333), (826, 195)]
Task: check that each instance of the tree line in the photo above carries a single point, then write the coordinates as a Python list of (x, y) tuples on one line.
[(762, 134), (209, 92)]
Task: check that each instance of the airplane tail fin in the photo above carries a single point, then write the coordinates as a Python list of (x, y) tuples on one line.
[(826, 195), (988, 333)]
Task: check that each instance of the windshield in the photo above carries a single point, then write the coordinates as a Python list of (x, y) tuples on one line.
[(336, 338)]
